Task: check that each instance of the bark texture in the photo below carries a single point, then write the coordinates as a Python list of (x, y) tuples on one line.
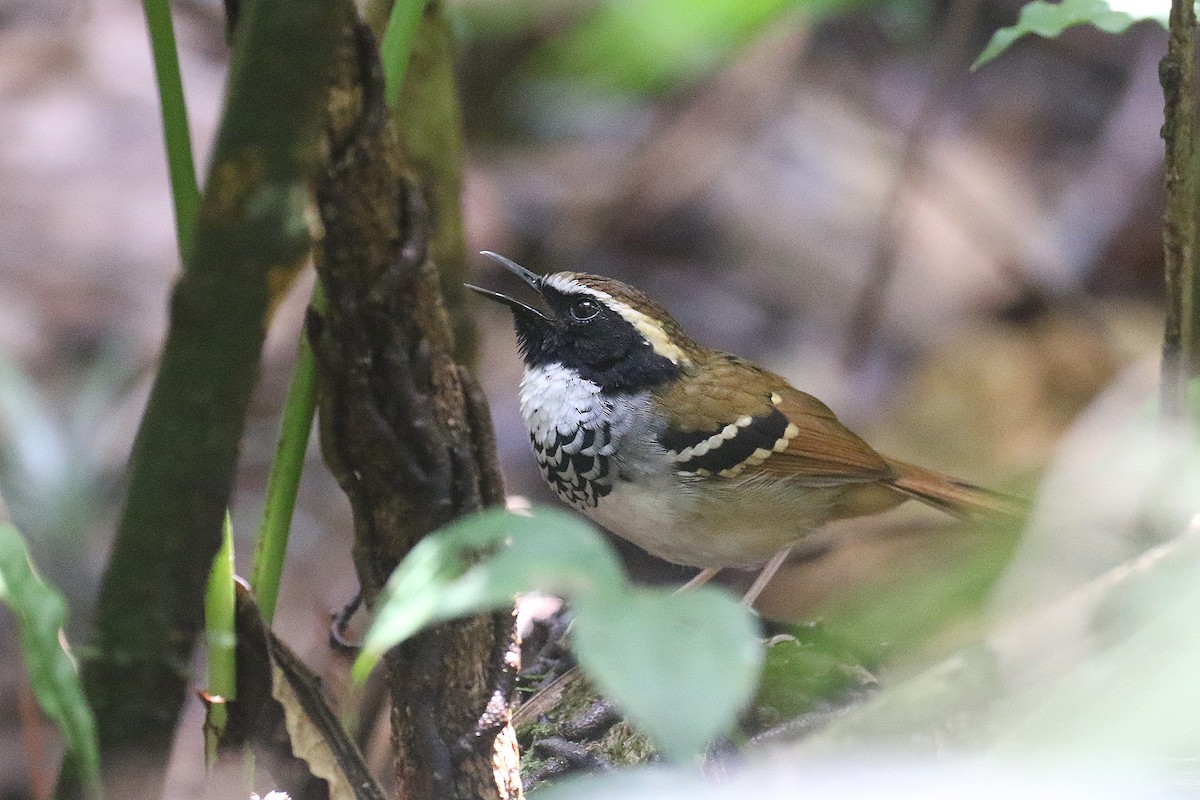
[(251, 231), (402, 429), (1181, 336)]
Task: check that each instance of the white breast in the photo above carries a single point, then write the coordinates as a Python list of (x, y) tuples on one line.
[(638, 497), (555, 400), (642, 496)]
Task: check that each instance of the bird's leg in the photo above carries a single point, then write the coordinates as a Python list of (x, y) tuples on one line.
[(764, 577), (702, 577)]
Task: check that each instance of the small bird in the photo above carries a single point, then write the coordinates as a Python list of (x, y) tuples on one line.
[(699, 457)]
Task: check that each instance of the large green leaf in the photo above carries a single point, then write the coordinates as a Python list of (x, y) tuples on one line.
[(1051, 19), (482, 562), (41, 614), (679, 665)]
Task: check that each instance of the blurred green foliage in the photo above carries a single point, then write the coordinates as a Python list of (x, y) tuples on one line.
[(41, 614), (901, 617), (639, 46), (803, 672), (474, 565), (680, 666), (651, 45), (53, 473)]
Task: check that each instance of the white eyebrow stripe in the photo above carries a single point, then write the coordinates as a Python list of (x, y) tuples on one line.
[(650, 330)]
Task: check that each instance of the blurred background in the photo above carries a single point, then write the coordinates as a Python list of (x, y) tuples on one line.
[(959, 263)]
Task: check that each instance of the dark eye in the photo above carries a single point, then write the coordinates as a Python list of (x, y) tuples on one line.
[(583, 310)]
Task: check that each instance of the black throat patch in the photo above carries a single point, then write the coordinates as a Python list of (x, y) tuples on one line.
[(606, 349)]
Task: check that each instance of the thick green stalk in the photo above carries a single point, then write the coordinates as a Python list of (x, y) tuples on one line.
[(180, 164), (252, 224)]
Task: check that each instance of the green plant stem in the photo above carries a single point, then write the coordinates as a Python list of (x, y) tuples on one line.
[(397, 44), (221, 638), (180, 164), (286, 470)]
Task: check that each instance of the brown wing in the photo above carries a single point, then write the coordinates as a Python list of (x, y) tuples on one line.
[(732, 418), (821, 451)]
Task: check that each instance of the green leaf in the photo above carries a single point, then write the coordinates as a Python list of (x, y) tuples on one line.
[(449, 574), (1051, 19), (679, 665), (41, 614), (397, 42)]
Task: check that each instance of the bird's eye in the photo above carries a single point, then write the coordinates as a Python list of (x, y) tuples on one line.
[(583, 310)]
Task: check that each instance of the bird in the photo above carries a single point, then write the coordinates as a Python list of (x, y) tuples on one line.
[(699, 457)]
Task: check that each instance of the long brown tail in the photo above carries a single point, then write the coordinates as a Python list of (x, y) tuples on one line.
[(951, 495)]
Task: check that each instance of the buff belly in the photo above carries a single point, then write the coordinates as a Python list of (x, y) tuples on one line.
[(739, 525)]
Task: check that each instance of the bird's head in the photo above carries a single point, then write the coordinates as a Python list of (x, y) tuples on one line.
[(606, 331)]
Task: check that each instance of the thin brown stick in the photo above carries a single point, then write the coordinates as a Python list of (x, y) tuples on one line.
[(1181, 334), (40, 781)]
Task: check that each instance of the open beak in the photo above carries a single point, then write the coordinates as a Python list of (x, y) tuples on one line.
[(530, 278)]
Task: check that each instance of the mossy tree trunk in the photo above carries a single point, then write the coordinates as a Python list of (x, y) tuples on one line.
[(402, 427)]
